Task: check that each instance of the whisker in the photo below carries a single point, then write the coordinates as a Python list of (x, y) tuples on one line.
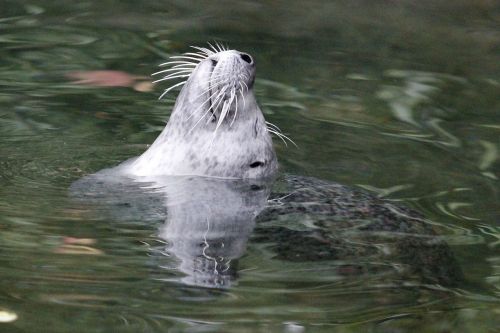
[(272, 132), (213, 107), (245, 76), (218, 81), (201, 56), (212, 82), (218, 101), (241, 86), (218, 45), (242, 96), (219, 98), (185, 57), (204, 50), (199, 107), (178, 62), (282, 136), (225, 110), (172, 69), (236, 109), (290, 140), (245, 85), (171, 77), (213, 47), (203, 93), (272, 125), (172, 87), (178, 72), (185, 64)]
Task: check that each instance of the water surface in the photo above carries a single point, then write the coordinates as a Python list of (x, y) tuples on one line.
[(399, 98)]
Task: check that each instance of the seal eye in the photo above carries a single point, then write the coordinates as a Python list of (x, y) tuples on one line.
[(246, 58), (214, 62), (256, 164)]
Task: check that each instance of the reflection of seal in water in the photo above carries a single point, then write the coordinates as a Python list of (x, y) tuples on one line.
[(217, 129)]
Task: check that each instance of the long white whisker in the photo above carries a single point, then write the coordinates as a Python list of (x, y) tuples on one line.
[(282, 137), (242, 96), (213, 107), (203, 49), (185, 64), (274, 126), (290, 140), (204, 115), (172, 69), (213, 83), (172, 87), (218, 46), (225, 109), (224, 113), (178, 62), (218, 99), (200, 106), (203, 93), (236, 109), (279, 136), (245, 85), (213, 47), (178, 72), (196, 55), (172, 77), (185, 57)]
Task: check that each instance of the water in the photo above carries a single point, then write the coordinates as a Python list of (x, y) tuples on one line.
[(399, 98)]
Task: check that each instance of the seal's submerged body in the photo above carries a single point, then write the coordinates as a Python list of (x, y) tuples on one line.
[(218, 131)]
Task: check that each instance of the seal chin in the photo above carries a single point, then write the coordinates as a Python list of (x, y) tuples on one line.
[(216, 128)]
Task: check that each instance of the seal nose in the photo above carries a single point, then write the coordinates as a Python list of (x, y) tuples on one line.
[(246, 57)]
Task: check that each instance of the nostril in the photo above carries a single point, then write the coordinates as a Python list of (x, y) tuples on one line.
[(246, 58), (214, 62)]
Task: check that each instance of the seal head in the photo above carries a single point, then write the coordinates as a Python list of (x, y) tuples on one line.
[(216, 128)]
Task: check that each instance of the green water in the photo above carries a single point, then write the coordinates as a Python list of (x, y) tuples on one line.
[(398, 97)]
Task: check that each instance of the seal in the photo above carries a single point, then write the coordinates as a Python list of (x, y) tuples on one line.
[(216, 128)]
